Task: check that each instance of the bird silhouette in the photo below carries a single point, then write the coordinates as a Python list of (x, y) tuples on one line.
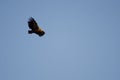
[(34, 28)]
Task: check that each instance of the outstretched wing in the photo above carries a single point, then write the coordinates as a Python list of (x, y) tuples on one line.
[(32, 24)]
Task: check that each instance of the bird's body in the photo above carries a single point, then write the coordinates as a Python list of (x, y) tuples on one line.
[(32, 24)]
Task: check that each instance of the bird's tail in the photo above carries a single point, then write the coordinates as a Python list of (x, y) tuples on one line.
[(30, 32)]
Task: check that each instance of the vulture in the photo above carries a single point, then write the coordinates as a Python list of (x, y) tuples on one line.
[(34, 28)]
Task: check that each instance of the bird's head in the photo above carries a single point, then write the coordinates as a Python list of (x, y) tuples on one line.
[(41, 33)]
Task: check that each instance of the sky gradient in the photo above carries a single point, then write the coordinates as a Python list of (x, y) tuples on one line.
[(82, 40)]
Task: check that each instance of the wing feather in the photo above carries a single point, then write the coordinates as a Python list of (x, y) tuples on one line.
[(32, 24)]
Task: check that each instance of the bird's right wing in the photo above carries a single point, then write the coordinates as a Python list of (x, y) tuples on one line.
[(32, 24)]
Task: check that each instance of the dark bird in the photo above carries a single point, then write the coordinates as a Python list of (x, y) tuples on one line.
[(32, 24)]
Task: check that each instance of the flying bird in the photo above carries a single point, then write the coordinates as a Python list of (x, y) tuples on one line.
[(34, 28)]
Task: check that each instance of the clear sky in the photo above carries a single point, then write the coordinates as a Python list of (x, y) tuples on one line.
[(82, 40)]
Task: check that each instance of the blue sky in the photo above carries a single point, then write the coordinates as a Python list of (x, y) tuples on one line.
[(82, 40)]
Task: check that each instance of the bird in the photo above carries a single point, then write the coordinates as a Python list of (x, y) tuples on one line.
[(34, 28)]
